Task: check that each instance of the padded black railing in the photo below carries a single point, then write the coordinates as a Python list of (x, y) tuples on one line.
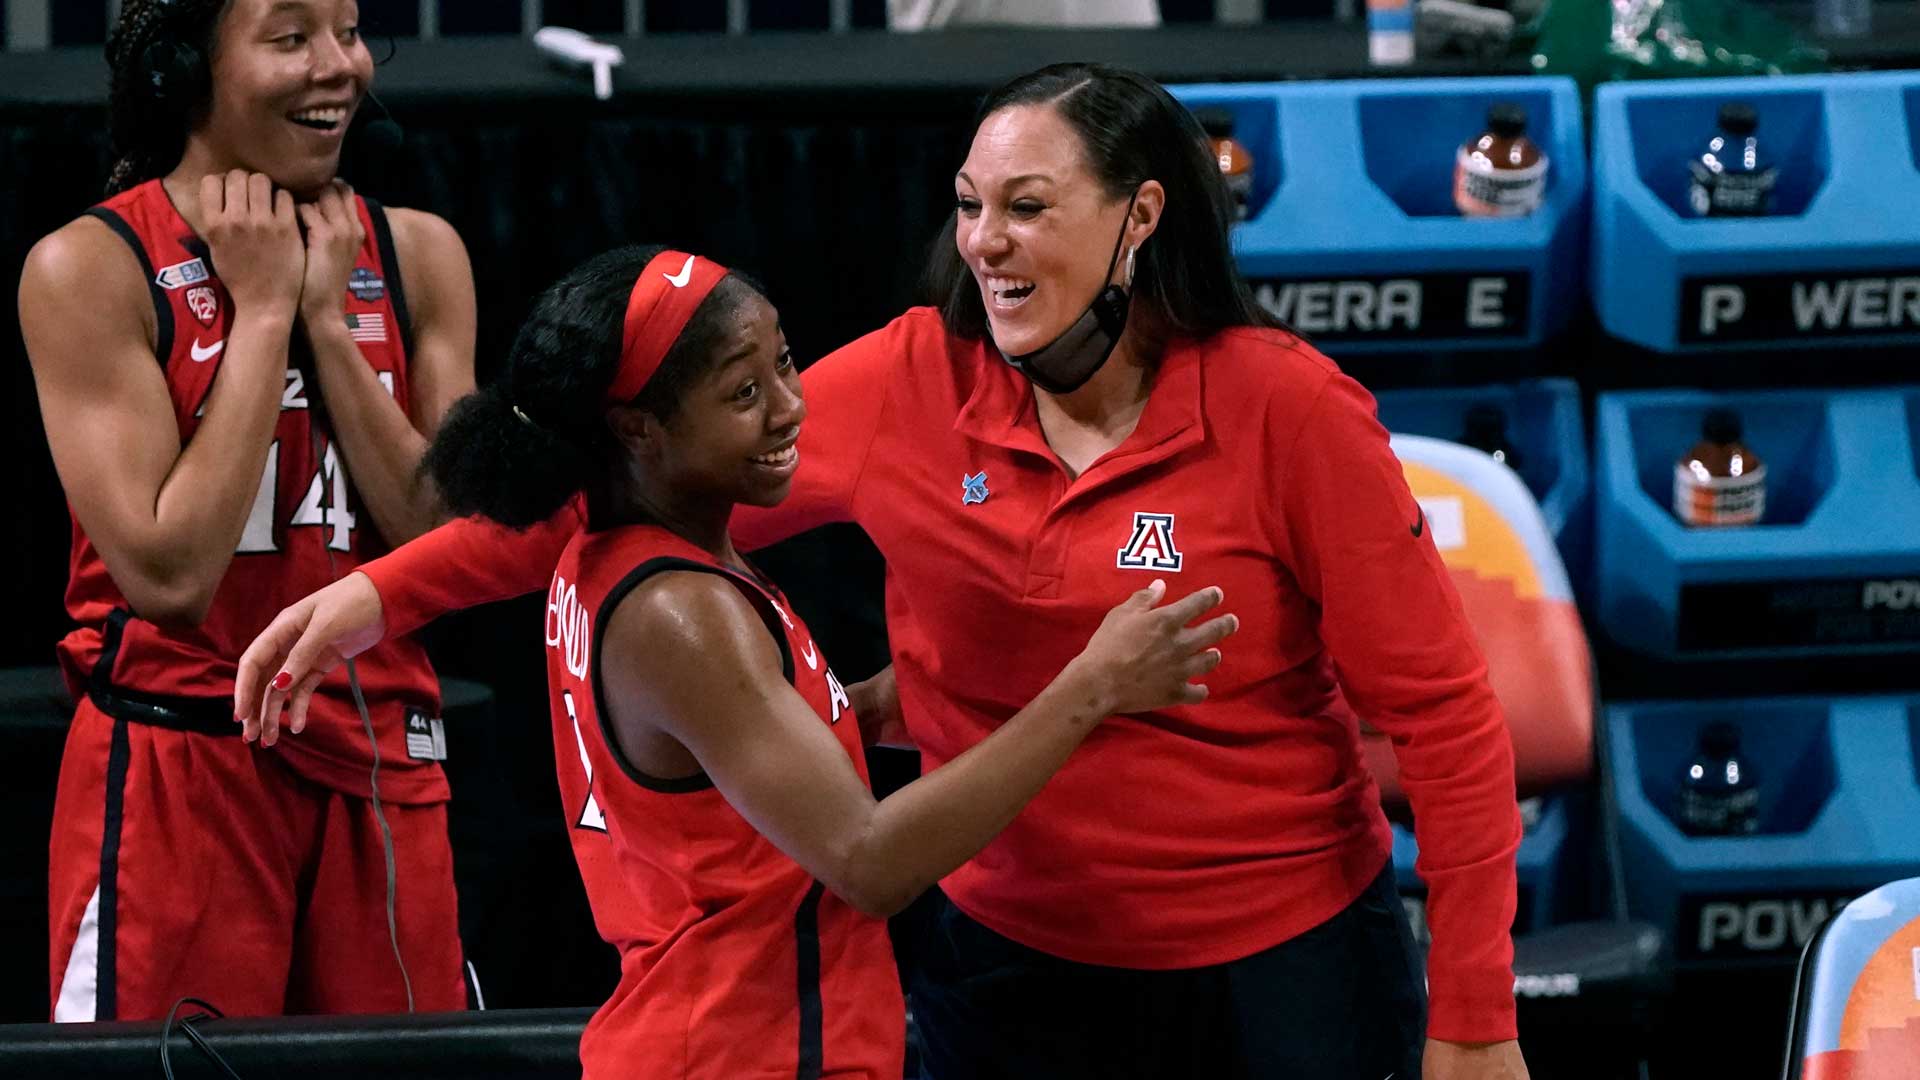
[(504, 1044)]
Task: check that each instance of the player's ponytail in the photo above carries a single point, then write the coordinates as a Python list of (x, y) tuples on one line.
[(487, 460), (518, 449)]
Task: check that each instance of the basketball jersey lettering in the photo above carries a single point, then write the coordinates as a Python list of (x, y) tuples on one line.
[(567, 626), (324, 504), (257, 537), (838, 694), (295, 395)]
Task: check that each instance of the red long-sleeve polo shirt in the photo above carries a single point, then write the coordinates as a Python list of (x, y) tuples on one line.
[(1191, 835)]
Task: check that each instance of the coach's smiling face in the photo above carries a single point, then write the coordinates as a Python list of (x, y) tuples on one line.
[(1037, 228), (288, 76)]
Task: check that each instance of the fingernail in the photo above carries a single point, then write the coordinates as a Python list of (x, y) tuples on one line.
[(283, 680)]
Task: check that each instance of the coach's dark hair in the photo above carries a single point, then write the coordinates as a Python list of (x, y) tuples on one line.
[(518, 467), (159, 57), (1132, 131)]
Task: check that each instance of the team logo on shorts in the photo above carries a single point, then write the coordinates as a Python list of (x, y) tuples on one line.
[(367, 286), (182, 274), (1151, 545), (204, 303)]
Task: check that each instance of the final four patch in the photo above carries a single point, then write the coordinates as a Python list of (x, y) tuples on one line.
[(367, 286), (1151, 545)]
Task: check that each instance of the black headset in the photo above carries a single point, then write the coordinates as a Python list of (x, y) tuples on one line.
[(173, 69)]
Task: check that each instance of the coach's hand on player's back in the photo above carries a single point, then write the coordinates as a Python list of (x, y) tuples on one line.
[(255, 243), (297, 649), (1145, 655)]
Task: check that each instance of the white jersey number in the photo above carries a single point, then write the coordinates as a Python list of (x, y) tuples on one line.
[(324, 505), (590, 815)]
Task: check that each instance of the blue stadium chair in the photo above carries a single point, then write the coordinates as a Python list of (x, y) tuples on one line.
[(1579, 979), (1514, 589), (1856, 1007)]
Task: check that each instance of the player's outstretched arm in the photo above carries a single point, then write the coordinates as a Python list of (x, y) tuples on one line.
[(684, 657), (465, 562)]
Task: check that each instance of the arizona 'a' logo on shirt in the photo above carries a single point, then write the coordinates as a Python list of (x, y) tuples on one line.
[(1151, 545)]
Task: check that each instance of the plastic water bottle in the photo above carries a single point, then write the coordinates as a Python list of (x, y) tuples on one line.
[(1719, 795), (1501, 173), (1390, 32), (1720, 481), (1731, 177)]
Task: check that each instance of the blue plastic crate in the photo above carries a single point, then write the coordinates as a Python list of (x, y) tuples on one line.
[(1839, 786), (1545, 426), (1352, 236), (1839, 261), (1541, 864), (1833, 567)]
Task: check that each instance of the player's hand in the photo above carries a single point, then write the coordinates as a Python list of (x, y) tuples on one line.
[(876, 702), (1145, 655), (254, 242), (1473, 1061), (334, 236), (297, 649)]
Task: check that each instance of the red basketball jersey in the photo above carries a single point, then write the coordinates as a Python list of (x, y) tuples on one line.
[(306, 529), (734, 961)]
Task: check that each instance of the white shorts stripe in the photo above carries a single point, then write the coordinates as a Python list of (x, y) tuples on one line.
[(79, 987)]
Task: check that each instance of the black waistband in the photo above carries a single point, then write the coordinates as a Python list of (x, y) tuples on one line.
[(207, 716)]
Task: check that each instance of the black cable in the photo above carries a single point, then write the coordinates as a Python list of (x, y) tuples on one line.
[(359, 699), (199, 1041)]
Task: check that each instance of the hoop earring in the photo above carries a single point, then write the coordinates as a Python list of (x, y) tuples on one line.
[(1129, 270)]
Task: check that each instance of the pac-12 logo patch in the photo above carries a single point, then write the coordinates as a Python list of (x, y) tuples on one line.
[(1150, 547), (204, 303)]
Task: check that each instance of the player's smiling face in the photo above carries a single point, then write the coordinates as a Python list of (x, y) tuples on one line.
[(288, 76), (733, 436), (1034, 225)]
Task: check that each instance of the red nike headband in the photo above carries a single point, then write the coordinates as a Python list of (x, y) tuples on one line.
[(664, 298)]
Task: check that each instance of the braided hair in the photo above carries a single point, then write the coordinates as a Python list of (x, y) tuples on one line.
[(160, 56)]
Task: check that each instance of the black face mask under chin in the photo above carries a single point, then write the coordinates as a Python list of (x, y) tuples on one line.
[(1064, 364)]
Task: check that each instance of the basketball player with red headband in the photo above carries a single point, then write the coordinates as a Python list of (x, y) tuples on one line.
[(709, 760)]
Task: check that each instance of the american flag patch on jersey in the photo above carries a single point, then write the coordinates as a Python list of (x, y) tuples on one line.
[(369, 327)]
